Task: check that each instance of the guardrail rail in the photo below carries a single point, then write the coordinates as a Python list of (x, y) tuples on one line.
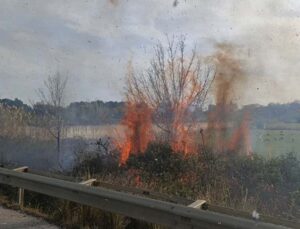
[(141, 208)]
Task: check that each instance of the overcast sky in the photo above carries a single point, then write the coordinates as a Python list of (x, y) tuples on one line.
[(92, 41)]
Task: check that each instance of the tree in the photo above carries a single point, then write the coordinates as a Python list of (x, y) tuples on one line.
[(175, 84), (53, 100)]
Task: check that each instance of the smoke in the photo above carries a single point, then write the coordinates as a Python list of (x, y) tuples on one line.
[(225, 132), (230, 79)]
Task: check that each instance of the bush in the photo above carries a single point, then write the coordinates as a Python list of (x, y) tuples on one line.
[(102, 159), (239, 181), (158, 161)]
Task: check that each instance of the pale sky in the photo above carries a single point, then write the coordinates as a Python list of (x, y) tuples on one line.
[(92, 41)]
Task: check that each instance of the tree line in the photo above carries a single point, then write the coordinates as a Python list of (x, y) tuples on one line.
[(76, 113), (102, 113)]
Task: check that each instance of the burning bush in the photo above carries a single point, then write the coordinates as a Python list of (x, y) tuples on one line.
[(165, 94), (161, 102), (139, 133)]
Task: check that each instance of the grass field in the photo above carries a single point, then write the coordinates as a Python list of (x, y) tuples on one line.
[(275, 142), (269, 142)]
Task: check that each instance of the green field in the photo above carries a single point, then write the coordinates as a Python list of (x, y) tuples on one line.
[(277, 139), (272, 143)]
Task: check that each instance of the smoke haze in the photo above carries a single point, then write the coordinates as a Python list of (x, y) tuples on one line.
[(91, 42)]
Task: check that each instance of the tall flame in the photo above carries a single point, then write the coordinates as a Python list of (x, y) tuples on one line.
[(229, 81), (240, 138), (174, 93), (138, 132)]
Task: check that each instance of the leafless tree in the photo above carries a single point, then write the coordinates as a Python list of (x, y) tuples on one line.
[(176, 82), (53, 97)]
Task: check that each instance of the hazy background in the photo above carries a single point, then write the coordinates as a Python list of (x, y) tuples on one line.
[(91, 41)]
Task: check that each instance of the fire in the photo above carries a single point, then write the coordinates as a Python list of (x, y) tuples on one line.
[(165, 95), (138, 133), (240, 139), (229, 81), (181, 142), (180, 139), (183, 139), (139, 130)]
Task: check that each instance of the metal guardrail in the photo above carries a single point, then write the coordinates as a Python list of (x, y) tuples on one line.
[(154, 211), (210, 207), (164, 197)]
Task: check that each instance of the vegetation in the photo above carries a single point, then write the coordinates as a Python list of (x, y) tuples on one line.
[(94, 113), (269, 181), (53, 96), (76, 113), (176, 80), (242, 182), (271, 143), (272, 116), (271, 186)]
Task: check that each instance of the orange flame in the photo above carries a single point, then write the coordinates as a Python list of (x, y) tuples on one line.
[(229, 79), (240, 139), (138, 131), (182, 140)]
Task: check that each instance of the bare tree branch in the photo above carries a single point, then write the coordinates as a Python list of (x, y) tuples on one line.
[(174, 83), (52, 96)]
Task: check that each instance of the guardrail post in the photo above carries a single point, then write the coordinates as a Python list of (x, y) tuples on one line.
[(199, 204), (21, 198), (23, 169), (89, 182), (85, 209)]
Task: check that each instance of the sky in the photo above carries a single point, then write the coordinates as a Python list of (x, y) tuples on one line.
[(92, 41)]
